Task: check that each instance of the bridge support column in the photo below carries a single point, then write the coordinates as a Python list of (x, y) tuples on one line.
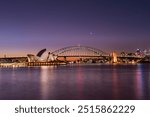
[(114, 57)]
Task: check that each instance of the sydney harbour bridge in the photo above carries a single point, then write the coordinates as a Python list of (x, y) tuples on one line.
[(68, 54), (75, 54)]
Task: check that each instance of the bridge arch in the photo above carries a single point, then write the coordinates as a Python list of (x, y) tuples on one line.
[(82, 51)]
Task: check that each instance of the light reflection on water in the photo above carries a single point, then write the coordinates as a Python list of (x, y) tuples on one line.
[(76, 82), (45, 81), (139, 82), (115, 90)]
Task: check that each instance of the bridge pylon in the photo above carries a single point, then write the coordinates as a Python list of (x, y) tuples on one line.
[(114, 57)]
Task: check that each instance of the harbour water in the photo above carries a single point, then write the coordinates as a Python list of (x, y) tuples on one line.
[(93, 81)]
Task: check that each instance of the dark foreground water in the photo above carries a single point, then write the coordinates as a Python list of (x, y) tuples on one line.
[(76, 82)]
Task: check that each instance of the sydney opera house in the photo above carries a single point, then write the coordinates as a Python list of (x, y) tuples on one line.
[(42, 56)]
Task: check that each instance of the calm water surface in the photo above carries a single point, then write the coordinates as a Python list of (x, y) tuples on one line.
[(76, 82)]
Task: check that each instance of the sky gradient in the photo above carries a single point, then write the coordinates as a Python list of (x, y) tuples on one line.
[(27, 26)]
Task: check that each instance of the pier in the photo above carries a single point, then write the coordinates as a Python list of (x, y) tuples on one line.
[(44, 63)]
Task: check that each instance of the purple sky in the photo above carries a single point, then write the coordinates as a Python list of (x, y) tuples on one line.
[(27, 26)]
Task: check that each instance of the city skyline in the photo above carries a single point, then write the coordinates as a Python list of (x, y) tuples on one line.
[(28, 26)]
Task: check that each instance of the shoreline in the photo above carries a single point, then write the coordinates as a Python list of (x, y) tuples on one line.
[(32, 64)]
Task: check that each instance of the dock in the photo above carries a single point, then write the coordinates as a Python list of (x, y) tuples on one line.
[(31, 64), (44, 63)]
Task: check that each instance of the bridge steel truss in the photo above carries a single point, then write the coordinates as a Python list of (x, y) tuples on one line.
[(79, 51)]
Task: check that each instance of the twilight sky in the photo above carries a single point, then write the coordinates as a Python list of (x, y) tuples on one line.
[(27, 26)]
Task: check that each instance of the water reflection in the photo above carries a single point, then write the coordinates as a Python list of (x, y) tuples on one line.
[(139, 82), (76, 82), (80, 82), (115, 84), (46, 76)]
